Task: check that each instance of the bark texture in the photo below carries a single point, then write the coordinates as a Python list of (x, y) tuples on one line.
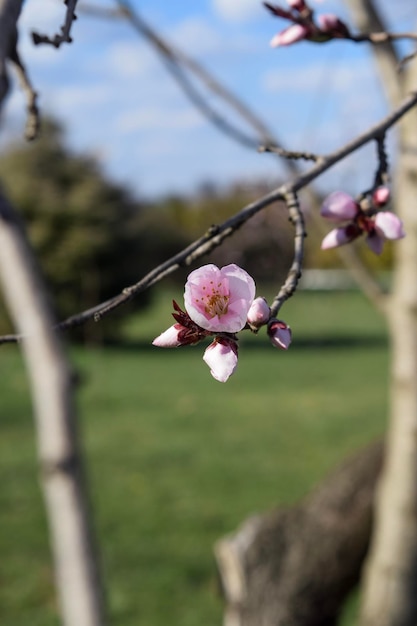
[(61, 467), (390, 597), (295, 566)]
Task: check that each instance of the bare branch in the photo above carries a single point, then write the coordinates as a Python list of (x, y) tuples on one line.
[(64, 35), (33, 117), (175, 61), (294, 274), (217, 234), (9, 15)]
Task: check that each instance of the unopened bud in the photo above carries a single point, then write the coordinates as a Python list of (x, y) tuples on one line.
[(292, 34), (339, 206), (280, 334), (297, 5), (170, 338), (381, 196), (259, 313), (331, 24)]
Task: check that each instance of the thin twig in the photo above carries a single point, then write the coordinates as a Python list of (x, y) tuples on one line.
[(175, 60), (289, 154), (33, 116), (294, 273), (64, 35), (383, 37), (217, 234)]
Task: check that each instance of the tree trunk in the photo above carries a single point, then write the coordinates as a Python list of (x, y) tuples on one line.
[(295, 566), (60, 458), (390, 596)]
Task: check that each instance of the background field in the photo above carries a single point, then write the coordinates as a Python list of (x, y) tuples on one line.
[(177, 460)]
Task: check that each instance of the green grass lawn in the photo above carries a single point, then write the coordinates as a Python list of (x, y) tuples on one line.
[(176, 459)]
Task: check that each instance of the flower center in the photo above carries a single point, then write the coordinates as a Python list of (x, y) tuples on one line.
[(216, 304), (214, 300)]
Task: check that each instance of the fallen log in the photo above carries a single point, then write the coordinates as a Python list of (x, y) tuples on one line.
[(295, 566)]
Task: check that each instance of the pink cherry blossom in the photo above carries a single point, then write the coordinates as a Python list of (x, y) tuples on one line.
[(386, 225), (280, 334), (290, 35), (339, 206), (218, 300), (221, 357), (259, 312)]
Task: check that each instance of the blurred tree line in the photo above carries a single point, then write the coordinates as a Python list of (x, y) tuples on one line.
[(93, 238)]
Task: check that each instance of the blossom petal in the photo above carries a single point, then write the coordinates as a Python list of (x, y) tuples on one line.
[(292, 34), (169, 338), (336, 237), (218, 300), (375, 242), (221, 359), (339, 206), (388, 225)]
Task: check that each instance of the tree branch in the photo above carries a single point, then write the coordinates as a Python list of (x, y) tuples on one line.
[(218, 233), (9, 15), (64, 35)]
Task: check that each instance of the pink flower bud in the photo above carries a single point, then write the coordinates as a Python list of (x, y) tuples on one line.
[(292, 34), (389, 225), (259, 312), (297, 5), (381, 196), (339, 236), (221, 357), (330, 23), (280, 334), (339, 206), (170, 338)]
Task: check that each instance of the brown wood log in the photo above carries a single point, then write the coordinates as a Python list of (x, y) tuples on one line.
[(296, 566)]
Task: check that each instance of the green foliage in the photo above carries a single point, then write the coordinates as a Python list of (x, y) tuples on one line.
[(173, 471), (263, 246), (85, 230)]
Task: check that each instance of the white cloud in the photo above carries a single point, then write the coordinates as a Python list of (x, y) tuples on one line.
[(238, 10)]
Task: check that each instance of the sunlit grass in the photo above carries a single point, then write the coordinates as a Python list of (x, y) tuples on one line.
[(177, 459)]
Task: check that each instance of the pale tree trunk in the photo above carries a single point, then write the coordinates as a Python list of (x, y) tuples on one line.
[(390, 586), (61, 468), (390, 581)]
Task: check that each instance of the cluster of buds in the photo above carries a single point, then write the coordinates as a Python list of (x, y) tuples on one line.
[(220, 303), (361, 217), (304, 26)]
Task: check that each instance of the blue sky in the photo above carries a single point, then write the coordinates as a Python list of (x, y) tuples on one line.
[(118, 102)]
